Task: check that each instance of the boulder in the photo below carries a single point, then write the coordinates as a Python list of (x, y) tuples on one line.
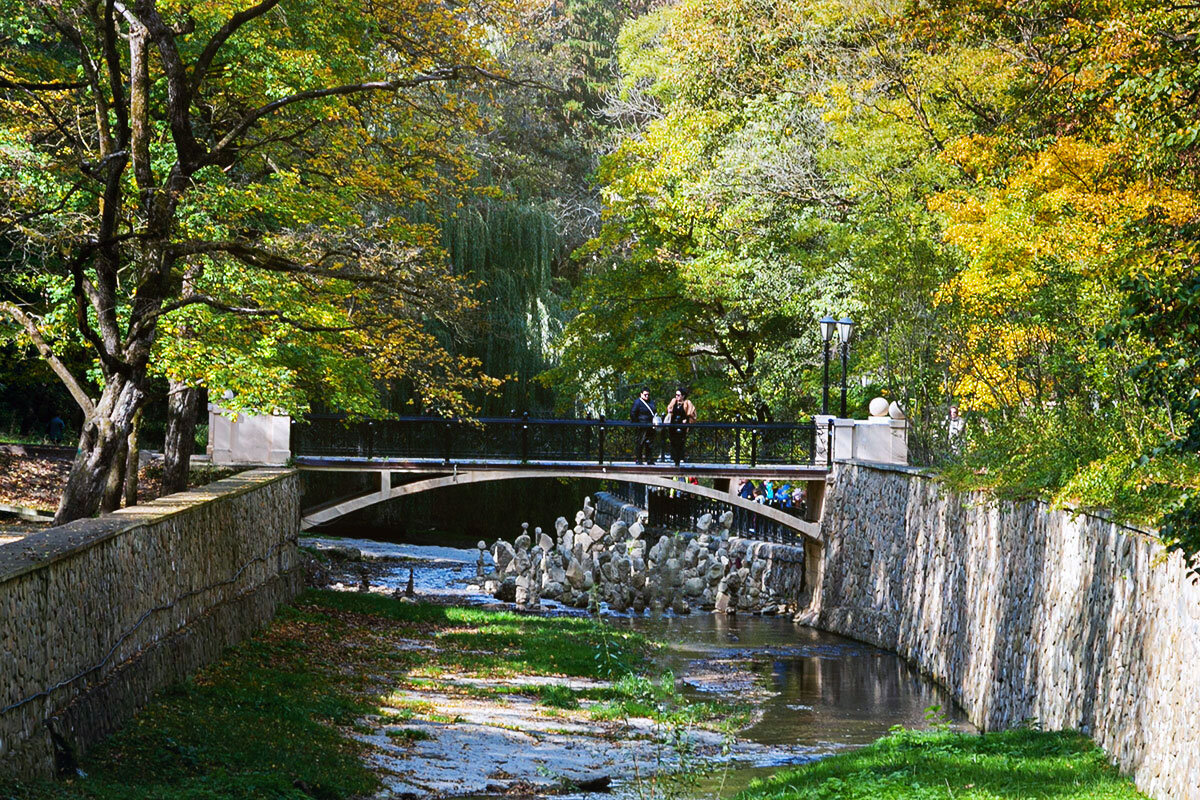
[(622, 569), (545, 542), (574, 574), (722, 603), (341, 552), (704, 524), (502, 554), (694, 587), (506, 592), (619, 531)]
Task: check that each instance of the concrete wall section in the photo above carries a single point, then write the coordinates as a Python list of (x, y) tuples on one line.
[(97, 615), (1023, 613), (248, 438)]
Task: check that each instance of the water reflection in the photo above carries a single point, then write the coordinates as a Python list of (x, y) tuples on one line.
[(821, 689)]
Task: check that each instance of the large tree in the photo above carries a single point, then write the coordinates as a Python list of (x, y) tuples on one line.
[(166, 165)]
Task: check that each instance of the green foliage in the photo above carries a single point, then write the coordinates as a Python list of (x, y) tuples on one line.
[(1003, 196), (1166, 310), (513, 249), (226, 210), (911, 765)]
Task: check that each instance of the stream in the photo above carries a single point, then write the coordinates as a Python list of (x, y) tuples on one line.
[(815, 693)]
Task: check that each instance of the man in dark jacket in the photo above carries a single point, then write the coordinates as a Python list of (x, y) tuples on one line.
[(643, 413)]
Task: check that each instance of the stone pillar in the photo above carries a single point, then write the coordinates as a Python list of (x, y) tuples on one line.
[(248, 438)]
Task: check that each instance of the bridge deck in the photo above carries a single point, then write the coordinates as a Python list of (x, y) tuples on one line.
[(436, 474), (560, 468)]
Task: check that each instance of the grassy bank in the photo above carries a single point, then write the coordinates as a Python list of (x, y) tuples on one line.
[(271, 718), (909, 765)]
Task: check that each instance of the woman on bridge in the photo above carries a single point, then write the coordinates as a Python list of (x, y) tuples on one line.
[(681, 412)]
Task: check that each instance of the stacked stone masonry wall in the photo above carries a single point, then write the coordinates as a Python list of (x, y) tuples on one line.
[(1024, 613), (97, 615)]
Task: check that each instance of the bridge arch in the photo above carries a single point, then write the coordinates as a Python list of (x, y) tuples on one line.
[(339, 508)]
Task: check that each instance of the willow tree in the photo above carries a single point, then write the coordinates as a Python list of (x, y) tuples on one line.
[(514, 250), (160, 160)]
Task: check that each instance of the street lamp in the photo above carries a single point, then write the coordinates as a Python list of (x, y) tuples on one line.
[(845, 327), (828, 323)]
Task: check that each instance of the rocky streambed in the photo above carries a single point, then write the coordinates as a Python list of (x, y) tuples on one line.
[(812, 693)]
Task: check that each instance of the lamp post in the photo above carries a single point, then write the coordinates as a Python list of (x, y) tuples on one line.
[(828, 323), (845, 327)]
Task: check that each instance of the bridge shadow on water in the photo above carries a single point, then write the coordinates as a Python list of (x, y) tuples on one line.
[(457, 516)]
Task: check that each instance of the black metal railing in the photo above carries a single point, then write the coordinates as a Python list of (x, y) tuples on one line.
[(680, 510), (525, 438)]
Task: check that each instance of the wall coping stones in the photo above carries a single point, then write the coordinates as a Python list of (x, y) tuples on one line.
[(48, 546)]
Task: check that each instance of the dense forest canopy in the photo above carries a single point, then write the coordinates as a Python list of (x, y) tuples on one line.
[(1002, 195), (529, 204)]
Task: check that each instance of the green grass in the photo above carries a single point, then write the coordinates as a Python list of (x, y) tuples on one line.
[(496, 643), (259, 723), (558, 697), (910, 765), (266, 720)]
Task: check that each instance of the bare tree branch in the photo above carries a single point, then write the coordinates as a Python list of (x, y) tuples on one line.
[(60, 369), (248, 310), (439, 75)]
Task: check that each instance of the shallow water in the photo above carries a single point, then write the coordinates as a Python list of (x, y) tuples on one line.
[(815, 693), (822, 689)]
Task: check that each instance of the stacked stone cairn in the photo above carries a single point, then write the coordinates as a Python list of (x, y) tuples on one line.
[(586, 564)]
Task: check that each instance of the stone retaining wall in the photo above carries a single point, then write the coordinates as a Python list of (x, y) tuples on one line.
[(1023, 613), (98, 614), (610, 508)]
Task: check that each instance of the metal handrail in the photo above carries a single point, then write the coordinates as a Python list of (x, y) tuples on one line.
[(525, 438)]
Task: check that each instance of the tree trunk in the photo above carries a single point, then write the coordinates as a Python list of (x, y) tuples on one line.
[(133, 461), (180, 437), (102, 439), (116, 481)]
